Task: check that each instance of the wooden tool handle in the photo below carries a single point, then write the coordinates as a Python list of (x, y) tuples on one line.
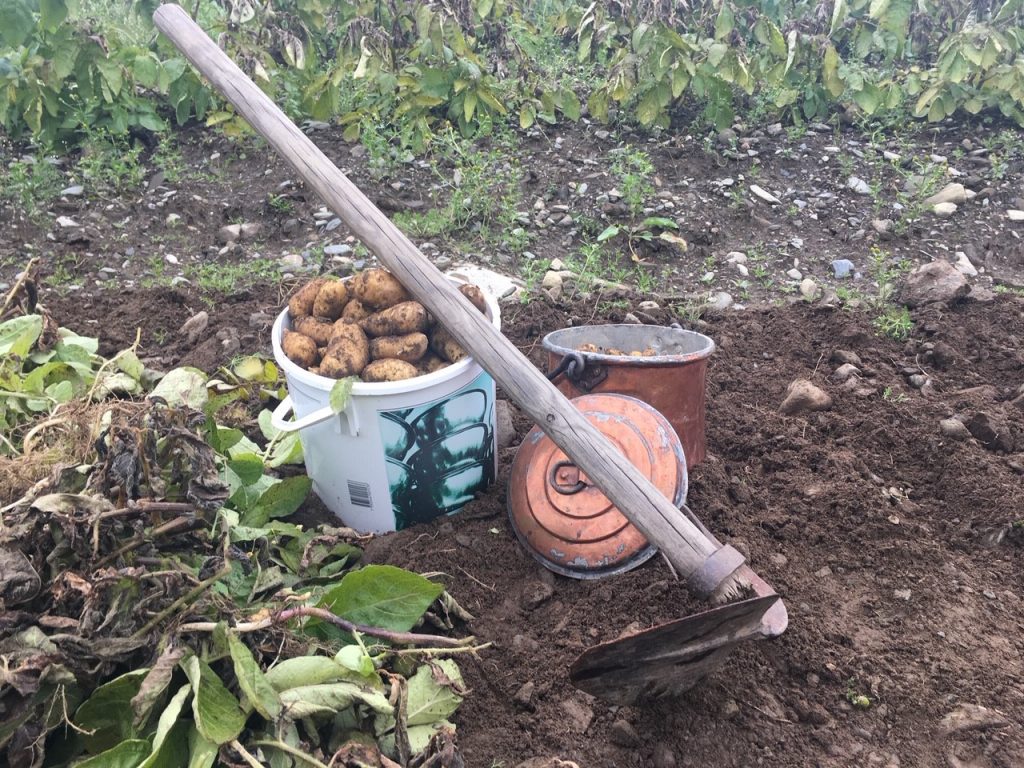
[(686, 548)]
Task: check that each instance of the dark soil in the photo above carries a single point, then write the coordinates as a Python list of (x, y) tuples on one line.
[(838, 511)]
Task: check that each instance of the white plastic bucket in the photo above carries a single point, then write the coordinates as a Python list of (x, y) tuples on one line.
[(401, 452)]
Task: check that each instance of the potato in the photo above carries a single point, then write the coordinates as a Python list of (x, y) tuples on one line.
[(318, 330), (301, 302), (348, 350), (330, 300), (407, 317), (389, 369), (445, 345), (300, 349), (355, 311), (410, 347), (378, 289), (475, 295), (336, 368), (430, 363)]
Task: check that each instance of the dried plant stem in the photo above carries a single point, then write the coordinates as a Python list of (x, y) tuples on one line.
[(246, 754), (298, 754), (400, 638), (185, 599)]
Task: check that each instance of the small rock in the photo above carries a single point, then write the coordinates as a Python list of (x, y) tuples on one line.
[(66, 222), (258, 321), (229, 233), (858, 185), (622, 734), (795, 274), (901, 594), (719, 302), (580, 715), (845, 356), (337, 249), (194, 327), (944, 210), (524, 644), (736, 257), (845, 371), (648, 306), (536, 594), (76, 190), (917, 380), (951, 193), (937, 281), (333, 224), (663, 756), (631, 319), (990, 432), (764, 194), (1015, 215), (552, 284), (809, 289), (172, 220), (963, 265), (729, 709), (802, 396), (943, 355), (505, 431), (823, 573), (524, 696), (601, 135), (778, 559), (726, 136), (774, 129), (842, 268), (289, 262), (892, 157), (742, 269)]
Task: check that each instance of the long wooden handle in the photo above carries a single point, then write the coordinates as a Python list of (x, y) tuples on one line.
[(687, 549)]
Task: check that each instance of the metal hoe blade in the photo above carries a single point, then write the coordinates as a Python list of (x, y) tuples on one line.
[(670, 658)]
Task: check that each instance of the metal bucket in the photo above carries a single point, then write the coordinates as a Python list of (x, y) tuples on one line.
[(670, 377)]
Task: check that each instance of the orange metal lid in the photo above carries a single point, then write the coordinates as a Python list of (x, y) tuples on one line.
[(562, 518)]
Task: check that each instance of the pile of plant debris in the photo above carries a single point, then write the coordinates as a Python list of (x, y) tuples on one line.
[(155, 602)]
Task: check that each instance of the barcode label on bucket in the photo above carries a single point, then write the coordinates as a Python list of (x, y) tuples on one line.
[(359, 494)]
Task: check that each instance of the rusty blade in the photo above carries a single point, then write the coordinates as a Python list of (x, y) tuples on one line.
[(670, 658)]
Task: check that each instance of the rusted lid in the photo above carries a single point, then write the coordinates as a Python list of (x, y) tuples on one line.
[(562, 518)]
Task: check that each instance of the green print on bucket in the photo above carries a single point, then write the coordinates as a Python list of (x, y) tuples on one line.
[(439, 455)]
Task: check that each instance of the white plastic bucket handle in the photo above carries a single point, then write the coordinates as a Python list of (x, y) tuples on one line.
[(280, 421)]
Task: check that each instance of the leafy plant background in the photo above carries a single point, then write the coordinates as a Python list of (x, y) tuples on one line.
[(71, 66)]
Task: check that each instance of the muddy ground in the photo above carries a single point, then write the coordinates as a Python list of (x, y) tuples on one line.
[(897, 548)]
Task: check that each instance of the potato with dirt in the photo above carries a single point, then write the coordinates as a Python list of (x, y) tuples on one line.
[(355, 311), (389, 369), (348, 351), (410, 347), (318, 330), (475, 296), (399, 320), (330, 300), (378, 289), (430, 363), (300, 349), (445, 345), (301, 302)]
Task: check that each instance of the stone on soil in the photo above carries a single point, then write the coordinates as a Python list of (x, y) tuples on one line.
[(971, 717), (1015, 215), (938, 281), (845, 371), (858, 185), (954, 429), (845, 356), (802, 397), (623, 734), (842, 268), (524, 696), (964, 266), (663, 756), (580, 715), (504, 428), (552, 283), (76, 190), (719, 301), (944, 210), (951, 193), (809, 289), (764, 194)]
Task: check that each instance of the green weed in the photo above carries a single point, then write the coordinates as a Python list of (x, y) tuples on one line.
[(29, 186), (894, 322)]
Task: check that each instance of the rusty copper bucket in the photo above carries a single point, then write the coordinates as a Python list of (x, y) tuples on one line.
[(664, 366)]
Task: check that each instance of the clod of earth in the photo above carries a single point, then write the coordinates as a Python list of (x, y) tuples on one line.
[(802, 396), (935, 282)]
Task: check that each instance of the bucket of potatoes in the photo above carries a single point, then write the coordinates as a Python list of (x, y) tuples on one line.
[(415, 437)]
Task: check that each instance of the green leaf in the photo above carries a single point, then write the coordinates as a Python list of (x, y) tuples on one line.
[(52, 13), (170, 732), (661, 222), (283, 498), (868, 98), (608, 233), (246, 469), (838, 15), (354, 657), (108, 712), (571, 106), (340, 393), (382, 596), (259, 693), (328, 698), (127, 754), (183, 386), (217, 714), (19, 334), (527, 115), (202, 751), (725, 21), (435, 692), (303, 671), (648, 108), (17, 23)]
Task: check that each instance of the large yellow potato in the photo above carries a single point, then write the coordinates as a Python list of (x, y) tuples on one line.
[(410, 347), (389, 370), (300, 349), (355, 311), (379, 289), (430, 363), (407, 317), (475, 295), (301, 302), (318, 330), (348, 349), (330, 300)]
